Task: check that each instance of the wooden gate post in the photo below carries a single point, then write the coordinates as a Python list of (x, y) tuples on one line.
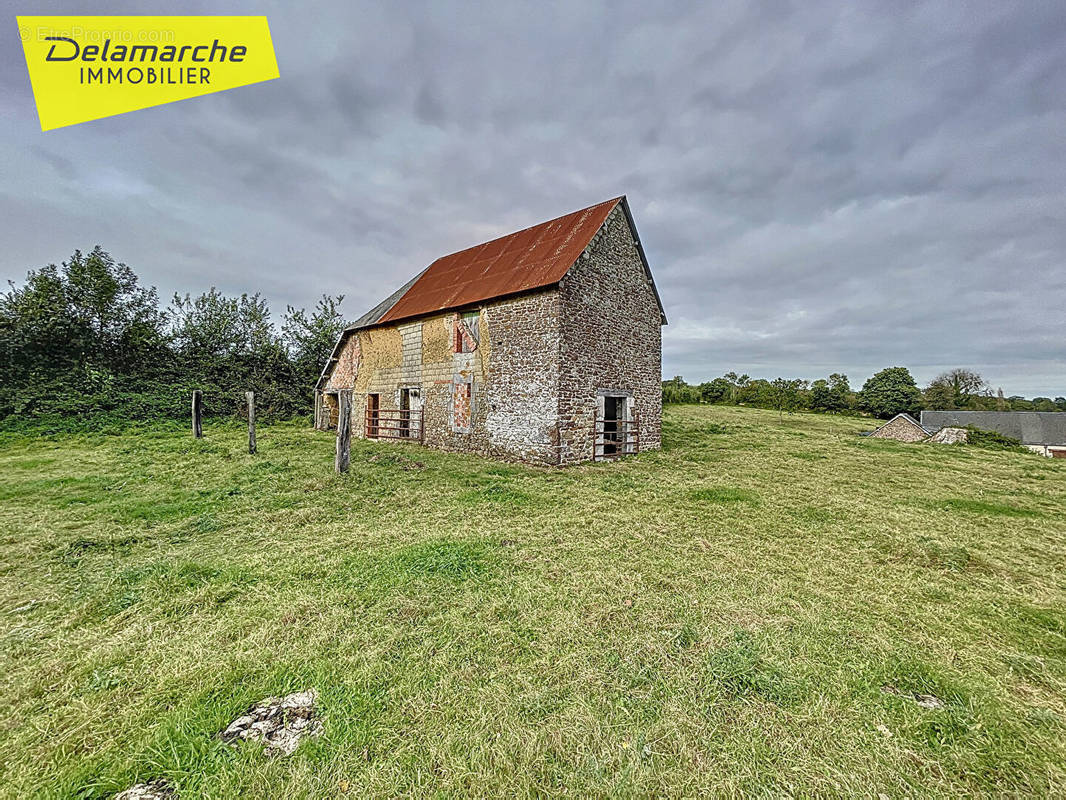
[(197, 413), (344, 430), (595, 435), (250, 396)]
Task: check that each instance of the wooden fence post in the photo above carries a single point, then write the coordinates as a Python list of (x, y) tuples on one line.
[(250, 396), (197, 413), (344, 430)]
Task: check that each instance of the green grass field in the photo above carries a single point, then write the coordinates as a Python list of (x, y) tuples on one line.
[(719, 617)]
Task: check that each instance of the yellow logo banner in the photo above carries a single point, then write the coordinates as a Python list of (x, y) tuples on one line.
[(85, 68)]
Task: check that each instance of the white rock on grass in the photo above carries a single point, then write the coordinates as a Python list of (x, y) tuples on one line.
[(950, 436), (926, 701), (156, 790), (280, 723)]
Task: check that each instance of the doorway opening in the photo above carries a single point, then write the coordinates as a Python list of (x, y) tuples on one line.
[(330, 411), (616, 427), (373, 410), (614, 415), (410, 412)]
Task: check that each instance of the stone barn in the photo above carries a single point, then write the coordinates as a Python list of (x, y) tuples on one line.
[(902, 428), (543, 346)]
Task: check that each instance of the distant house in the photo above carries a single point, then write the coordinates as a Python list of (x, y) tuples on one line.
[(1042, 432), (541, 346), (902, 428)]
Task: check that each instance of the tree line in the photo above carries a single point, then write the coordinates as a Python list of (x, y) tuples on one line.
[(891, 391), (85, 339)]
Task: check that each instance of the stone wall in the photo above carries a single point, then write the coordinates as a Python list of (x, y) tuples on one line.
[(611, 340), (508, 400), (347, 366), (519, 405), (511, 379), (902, 430)]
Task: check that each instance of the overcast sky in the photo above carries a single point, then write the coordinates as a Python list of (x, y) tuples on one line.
[(821, 188)]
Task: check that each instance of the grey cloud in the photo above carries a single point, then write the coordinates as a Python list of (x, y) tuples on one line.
[(819, 186)]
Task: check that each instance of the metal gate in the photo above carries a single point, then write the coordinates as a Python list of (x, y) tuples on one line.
[(398, 424), (614, 438)]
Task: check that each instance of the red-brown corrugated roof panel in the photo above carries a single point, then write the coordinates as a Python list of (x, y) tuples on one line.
[(534, 258)]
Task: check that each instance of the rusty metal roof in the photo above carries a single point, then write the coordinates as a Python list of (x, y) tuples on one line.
[(534, 258), (530, 259)]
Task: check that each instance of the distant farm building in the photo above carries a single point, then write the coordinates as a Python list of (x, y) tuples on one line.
[(542, 346), (1042, 432), (902, 428)]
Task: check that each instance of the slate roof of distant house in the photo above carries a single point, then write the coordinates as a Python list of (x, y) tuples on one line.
[(1029, 427)]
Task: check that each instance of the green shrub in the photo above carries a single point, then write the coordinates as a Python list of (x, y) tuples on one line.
[(991, 440)]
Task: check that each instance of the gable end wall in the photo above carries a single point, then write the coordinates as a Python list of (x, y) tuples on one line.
[(611, 340), (901, 430)]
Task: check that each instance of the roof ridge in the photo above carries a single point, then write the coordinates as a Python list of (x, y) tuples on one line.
[(612, 201), (535, 257)]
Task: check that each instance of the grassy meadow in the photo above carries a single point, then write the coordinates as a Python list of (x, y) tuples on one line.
[(721, 617)]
